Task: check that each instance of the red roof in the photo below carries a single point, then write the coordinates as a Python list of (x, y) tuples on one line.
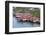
[(24, 15)]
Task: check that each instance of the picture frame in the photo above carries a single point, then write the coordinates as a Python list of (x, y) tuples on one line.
[(15, 4)]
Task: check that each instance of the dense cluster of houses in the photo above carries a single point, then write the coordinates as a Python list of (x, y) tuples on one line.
[(27, 17)]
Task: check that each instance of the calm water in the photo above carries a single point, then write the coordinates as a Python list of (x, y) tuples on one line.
[(17, 24)]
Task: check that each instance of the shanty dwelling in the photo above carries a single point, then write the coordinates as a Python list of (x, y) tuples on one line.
[(36, 19), (27, 17), (23, 16), (18, 16)]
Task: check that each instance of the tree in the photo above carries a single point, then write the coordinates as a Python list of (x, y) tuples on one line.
[(34, 11)]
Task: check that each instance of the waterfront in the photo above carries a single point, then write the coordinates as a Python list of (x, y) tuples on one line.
[(17, 24)]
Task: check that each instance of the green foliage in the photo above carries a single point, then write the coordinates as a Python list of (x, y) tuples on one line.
[(34, 11), (22, 9)]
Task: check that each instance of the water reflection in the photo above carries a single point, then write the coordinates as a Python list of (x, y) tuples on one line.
[(17, 24)]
